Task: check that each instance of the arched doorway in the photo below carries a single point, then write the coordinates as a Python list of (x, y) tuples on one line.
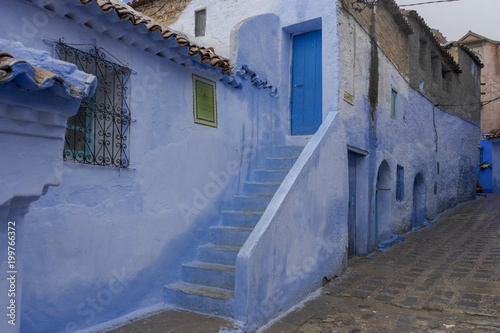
[(383, 196), (419, 196)]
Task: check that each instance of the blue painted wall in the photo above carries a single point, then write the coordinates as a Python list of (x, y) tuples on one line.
[(495, 152), (418, 139), (97, 238), (106, 241), (34, 108), (485, 176)]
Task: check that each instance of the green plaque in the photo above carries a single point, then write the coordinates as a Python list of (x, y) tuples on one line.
[(205, 104)]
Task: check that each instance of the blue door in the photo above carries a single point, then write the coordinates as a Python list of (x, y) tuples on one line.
[(306, 110)]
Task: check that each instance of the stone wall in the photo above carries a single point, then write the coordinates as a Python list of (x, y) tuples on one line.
[(165, 12), (388, 33), (454, 88), (418, 138), (488, 52)]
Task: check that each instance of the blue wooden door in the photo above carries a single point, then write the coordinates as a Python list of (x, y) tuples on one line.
[(306, 110)]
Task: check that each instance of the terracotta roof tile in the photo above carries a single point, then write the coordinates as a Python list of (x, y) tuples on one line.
[(471, 53), (31, 78), (493, 134), (136, 18), (413, 14), (478, 37)]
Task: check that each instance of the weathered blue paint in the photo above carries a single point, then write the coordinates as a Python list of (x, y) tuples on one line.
[(306, 244), (306, 106), (495, 162), (34, 115), (81, 273), (485, 175), (82, 226)]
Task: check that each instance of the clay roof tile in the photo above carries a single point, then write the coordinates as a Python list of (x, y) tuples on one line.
[(136, 18), (29, 77), (493, 134)]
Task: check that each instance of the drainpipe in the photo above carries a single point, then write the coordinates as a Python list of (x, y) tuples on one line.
[(373, 100)]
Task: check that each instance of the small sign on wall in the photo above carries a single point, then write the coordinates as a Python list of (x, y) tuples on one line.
[(348, 98), (205, 103)]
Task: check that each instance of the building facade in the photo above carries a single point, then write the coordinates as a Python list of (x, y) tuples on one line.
[(487, 51), (220, 181)]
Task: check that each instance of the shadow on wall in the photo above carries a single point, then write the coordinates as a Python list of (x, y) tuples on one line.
[(419, 196), (383, 203)]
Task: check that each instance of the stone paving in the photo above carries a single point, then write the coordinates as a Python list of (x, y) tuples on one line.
[(447, 274), (175, 321), (445, 278)]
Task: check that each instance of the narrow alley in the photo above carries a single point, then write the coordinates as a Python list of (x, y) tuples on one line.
[(445, 278)]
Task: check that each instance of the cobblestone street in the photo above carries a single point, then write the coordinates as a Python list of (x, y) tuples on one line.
[(445, 278)]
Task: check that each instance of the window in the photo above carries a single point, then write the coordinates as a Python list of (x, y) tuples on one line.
[(423, 54), (394, 104), (205, 103), (200, 22), (100, 131), (435, 67), (400, 183), (446, 77)]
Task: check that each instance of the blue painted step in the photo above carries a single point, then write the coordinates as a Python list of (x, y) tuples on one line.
[(241, 219), (229, 236), (208, 282), (270, 175), (261, 188), (287, 151), (251, 203), (209, 274), (280, 163), (199, 298), (219, 254)]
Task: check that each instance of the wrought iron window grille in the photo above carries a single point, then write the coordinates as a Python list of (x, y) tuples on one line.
[(99, 133)]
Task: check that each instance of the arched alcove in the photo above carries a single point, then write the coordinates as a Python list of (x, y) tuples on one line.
[(419, 199), (383, 198)]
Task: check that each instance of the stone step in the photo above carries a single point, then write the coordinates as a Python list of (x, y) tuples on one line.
[(280, 163), (260, 188), (270, 175), (199, 298), (241, 219), (225, 255), (287, 151), (209, 274), (251, 203), (229, 236)]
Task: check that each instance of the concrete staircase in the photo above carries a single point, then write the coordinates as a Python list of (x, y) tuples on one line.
[(208, 282)]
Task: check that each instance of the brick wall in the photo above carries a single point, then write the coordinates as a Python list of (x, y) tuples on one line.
[(389, 35)]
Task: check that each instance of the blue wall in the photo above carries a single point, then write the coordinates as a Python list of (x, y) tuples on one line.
[(106, 241), (485, 175), (495, 161), (420, 137)]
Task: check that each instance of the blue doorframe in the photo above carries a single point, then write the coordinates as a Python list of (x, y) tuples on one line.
[(351, 219), (306, 101)]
